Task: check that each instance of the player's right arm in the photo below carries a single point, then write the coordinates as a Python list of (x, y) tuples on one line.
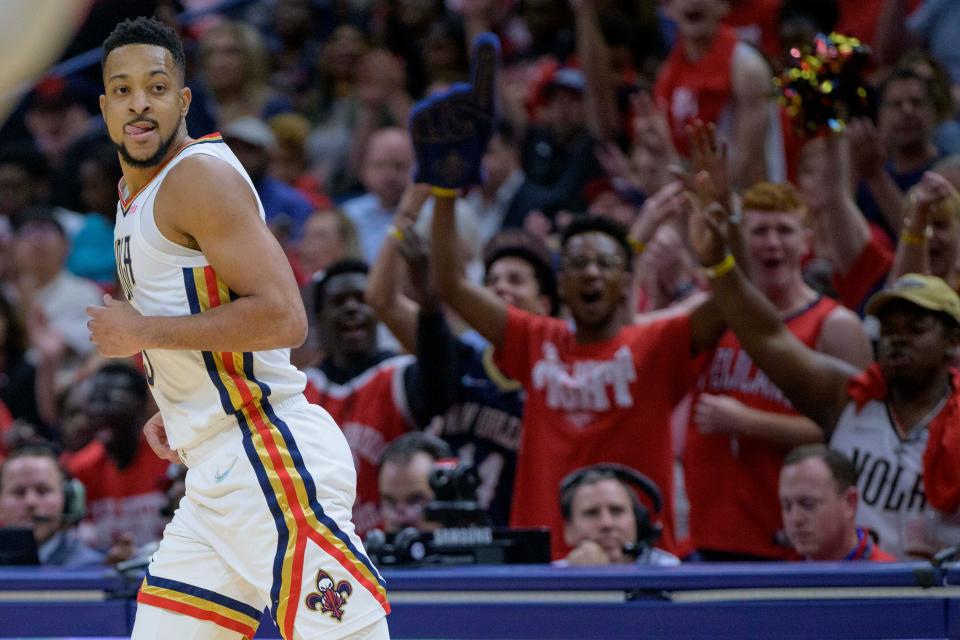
[(815, 383), (204, 203), (481, 309)]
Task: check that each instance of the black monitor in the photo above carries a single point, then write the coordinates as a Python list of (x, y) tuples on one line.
[(18, 547)]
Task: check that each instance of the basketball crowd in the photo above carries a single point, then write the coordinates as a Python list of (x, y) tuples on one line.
[(574, 320)]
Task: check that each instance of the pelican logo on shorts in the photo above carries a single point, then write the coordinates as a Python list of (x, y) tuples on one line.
[(330, 597)]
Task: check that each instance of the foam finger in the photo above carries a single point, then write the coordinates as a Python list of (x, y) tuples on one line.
[(483, 70)]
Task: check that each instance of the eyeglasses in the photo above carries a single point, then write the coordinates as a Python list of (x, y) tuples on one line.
[(604, 261)]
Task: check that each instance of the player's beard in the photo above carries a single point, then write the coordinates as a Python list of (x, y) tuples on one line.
[(153, 160)]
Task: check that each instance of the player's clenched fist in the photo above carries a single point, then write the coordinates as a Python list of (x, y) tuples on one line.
[(115, 328)]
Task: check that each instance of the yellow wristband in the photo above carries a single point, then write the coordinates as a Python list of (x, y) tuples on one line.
[(443, 192), (915, 239), (722, 268), (638, 246), (395, 233)]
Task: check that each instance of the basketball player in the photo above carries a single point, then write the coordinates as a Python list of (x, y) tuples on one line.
[(212, 304)]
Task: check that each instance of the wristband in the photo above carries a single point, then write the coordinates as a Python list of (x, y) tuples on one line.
[(395, 233), (722, 268), (638, 246), (915, 239), (443, 192)]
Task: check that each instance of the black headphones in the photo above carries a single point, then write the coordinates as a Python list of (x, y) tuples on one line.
[(74, 499), (648, 532)]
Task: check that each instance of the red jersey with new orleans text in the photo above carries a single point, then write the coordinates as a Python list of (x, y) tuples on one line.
[(732, 481), (701, 90), (372, 410), (588, 403)]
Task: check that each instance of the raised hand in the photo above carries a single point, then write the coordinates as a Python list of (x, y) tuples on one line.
[(451, 130), (709, 154), (866, 147), (670, 201), (708, 225), (617, 165), (416, 253), (932, 189)]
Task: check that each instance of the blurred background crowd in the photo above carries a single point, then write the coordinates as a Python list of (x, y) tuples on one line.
[(596, 100)]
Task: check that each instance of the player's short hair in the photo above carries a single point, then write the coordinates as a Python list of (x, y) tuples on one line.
[(599, 224), (519, 243), (144, 30), (402, 450), (338, 268), (774, 197), (841, 468)]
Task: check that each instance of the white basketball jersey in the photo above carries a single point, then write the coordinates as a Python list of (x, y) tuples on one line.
[(196, 391), (890, 481)]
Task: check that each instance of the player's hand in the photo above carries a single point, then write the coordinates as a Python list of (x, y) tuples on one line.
[(156, 436), (718, 414), (451, 130), (115, 328), (588, 553)]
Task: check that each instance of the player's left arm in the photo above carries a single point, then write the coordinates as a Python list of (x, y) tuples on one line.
[(205, 203), (752, 90)]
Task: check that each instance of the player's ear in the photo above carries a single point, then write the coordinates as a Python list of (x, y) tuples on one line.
[(103, 101), (186, 97)]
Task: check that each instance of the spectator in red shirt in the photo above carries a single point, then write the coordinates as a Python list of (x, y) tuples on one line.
[(818, 497), (712, 77), (125, 481), (600, 392)]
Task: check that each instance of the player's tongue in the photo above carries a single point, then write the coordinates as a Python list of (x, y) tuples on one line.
[(138, 129)]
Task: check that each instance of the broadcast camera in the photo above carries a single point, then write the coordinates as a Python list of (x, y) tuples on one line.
[(465, 535)]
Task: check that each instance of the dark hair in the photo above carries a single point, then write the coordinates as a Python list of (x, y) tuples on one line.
[(520, 243), (505, 130), (27, 157), (146, 31), (338, 268), (599, 224), (901, 74), (34, 450), (137, 380), (402, 450), (939, 83), (15, 342), (841, 469), (823, 14), (36, 215)]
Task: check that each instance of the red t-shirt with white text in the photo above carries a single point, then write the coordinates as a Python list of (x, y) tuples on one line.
[(588, 403)]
